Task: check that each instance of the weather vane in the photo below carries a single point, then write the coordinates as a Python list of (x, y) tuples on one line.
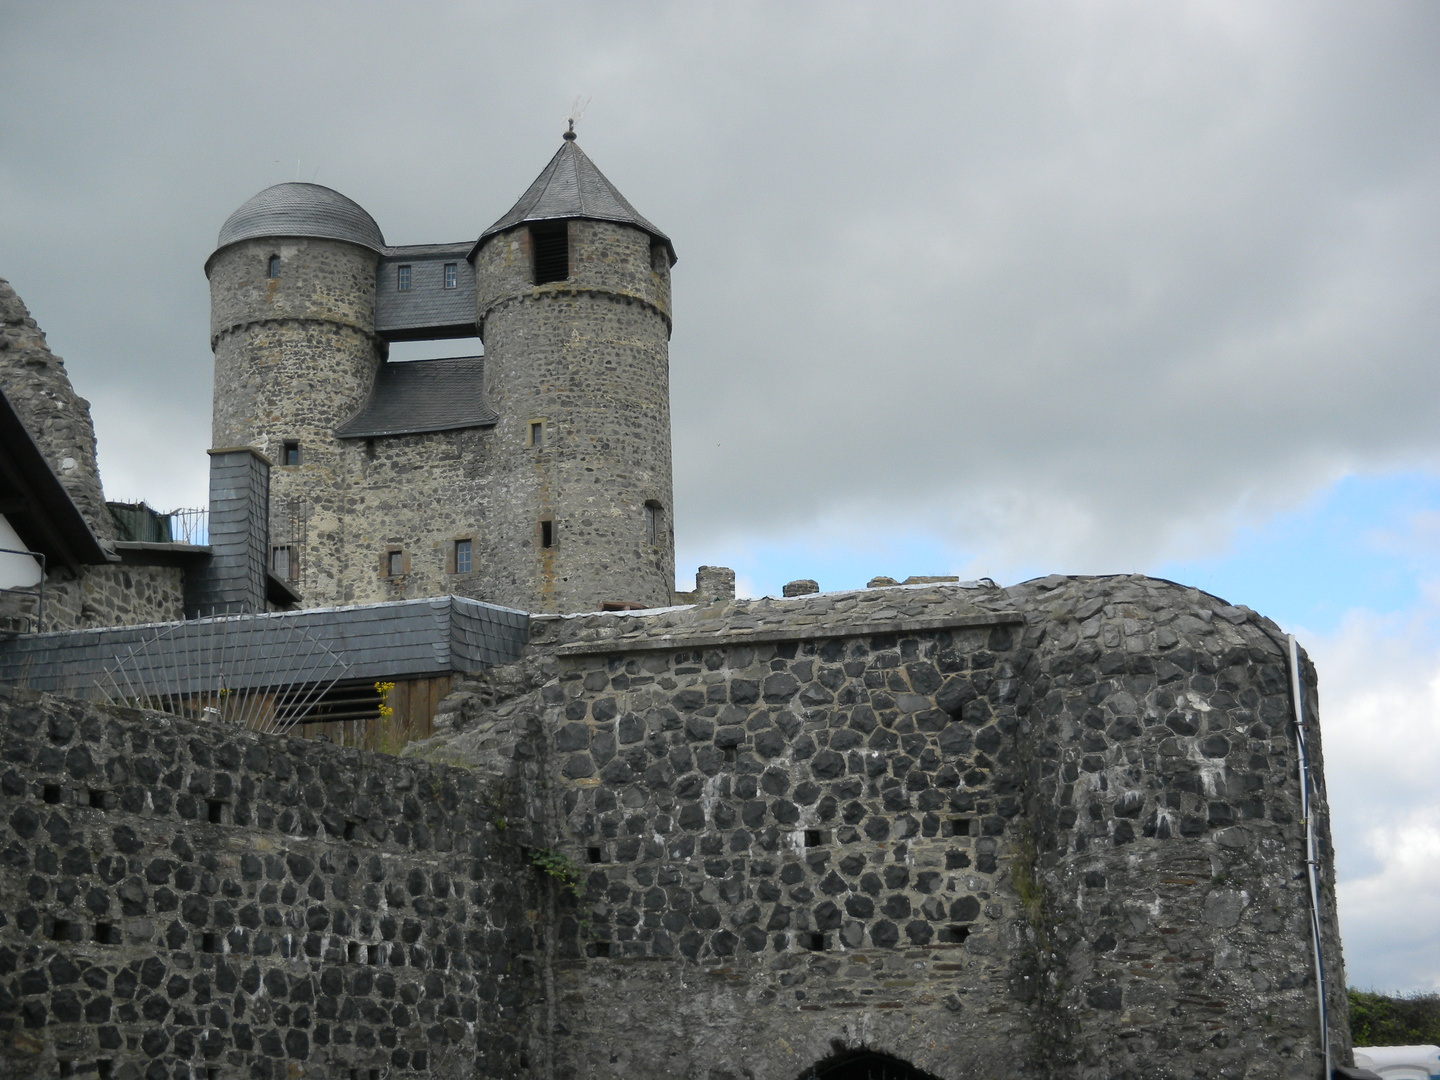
[(577, 110)]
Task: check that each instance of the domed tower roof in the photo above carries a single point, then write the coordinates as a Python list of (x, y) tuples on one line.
[(572, 187), (295, 209)]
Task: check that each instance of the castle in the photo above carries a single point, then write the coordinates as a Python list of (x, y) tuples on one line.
[(1072, 829), (536, 476)]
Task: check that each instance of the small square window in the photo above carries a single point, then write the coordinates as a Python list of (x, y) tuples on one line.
[(402, 278), (449, 275), (272, 268), (290, 452), (462, 556)]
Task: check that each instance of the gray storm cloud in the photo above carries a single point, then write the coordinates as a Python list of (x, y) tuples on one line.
[(1083, 282)]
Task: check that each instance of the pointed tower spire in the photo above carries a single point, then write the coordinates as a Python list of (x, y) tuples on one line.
[(572, 187)]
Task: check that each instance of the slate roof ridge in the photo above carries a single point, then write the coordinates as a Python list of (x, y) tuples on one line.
[(572, 186), (455, 247)]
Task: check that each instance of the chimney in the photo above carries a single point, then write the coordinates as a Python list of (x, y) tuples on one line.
[(233, 581)]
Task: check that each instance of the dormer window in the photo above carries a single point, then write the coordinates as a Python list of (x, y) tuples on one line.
[(402, 278), (550, 251), (449, 275), (272, 268)]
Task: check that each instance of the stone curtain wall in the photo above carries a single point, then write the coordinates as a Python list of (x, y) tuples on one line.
[(347, 915), (1063, 844)]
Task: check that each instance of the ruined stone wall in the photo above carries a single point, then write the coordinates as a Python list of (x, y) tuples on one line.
[(35, 382), (1049, 831), (590, 358), (179, 900)]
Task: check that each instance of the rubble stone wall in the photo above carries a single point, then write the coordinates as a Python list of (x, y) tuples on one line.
[(179, 898), (1045, 831), (114, 596)]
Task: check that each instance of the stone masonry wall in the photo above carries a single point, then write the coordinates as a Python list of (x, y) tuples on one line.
[(185, 901), (1050, 831), (114, 596)]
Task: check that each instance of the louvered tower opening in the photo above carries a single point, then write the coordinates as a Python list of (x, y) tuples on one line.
[(550, 249)]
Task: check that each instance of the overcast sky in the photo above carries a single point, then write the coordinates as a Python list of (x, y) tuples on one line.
[(988, 289)]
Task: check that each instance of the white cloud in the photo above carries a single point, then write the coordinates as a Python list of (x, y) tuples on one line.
[(1380, 718)]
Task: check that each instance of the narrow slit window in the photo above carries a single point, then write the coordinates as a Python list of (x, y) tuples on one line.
[(215, 811), (290, 452), (356, 952), (462, 556), (449, 275), (652, 523), (535, 435), (210, 942), (272, 268), (547, 534), (402, 279), (550, 250)]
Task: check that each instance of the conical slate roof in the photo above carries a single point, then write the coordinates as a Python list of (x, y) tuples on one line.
[(572, 187), (295, 209)]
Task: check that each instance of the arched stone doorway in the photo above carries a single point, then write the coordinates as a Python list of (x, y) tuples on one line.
[(863, 1065)]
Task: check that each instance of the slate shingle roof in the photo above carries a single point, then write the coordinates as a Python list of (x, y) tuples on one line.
[(295, 209), (572, 187), (423, 395), (402, 638)]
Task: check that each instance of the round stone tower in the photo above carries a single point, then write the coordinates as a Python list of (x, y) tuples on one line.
[(573, 305), (292, 326)]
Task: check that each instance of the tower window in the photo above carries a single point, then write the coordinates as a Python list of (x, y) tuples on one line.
[(659, 256), (547, 533), (450, 275), (272, 268), (283, 563), (653, 514), (290, 452), (462, 556), (402, 278), (535, 433), (550, 250), (395, 562)]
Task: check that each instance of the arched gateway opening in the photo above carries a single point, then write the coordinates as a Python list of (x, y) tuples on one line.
[(863, 1065)]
